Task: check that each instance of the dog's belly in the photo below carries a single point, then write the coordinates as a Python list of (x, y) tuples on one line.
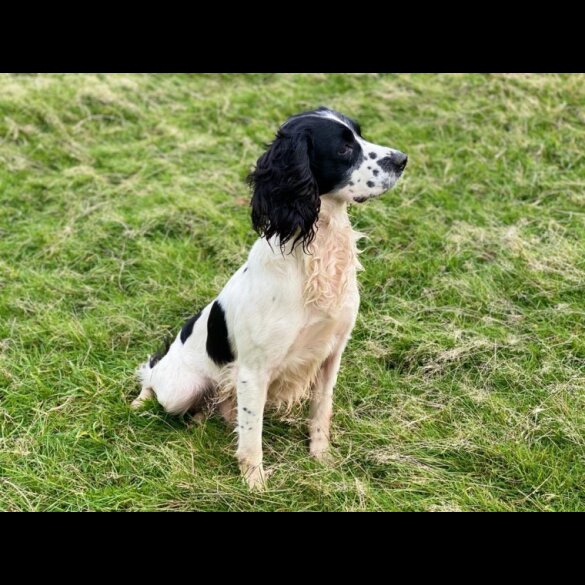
[(294, 378)]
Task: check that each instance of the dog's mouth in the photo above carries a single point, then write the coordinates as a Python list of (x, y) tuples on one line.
[(384, 186)]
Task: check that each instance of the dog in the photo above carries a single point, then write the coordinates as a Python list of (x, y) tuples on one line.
[(276, 332)]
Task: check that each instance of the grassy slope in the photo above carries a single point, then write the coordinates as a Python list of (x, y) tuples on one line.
[(123, 209)]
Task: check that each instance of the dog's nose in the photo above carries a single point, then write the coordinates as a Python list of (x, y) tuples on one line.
[(394, 163), (399, 159)]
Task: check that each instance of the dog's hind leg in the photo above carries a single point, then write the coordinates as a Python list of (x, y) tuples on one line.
[(228, 410)]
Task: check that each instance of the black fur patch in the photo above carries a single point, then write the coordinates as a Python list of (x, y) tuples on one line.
[(218, 345), (373, 155), (387, 164), (370, 184), (188, 327)]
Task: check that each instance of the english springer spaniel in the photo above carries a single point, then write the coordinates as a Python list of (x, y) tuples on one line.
[(276, 332)]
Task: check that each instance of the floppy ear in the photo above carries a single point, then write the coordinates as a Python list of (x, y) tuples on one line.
[(286, 199)]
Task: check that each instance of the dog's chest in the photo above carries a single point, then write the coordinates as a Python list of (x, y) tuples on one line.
[(330, 268), (330, 301), (331, 296)]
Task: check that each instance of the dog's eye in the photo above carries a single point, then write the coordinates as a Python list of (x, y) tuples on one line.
[(345, 150)]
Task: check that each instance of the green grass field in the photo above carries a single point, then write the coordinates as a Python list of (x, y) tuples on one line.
[(124, 209)]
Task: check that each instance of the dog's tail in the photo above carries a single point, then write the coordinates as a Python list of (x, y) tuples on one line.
[(160, 354), (143, 371)]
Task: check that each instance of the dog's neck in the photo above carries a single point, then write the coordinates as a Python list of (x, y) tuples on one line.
[(331, 263), (333, 210)]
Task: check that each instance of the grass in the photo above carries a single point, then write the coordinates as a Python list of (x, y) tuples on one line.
[(123, 210)]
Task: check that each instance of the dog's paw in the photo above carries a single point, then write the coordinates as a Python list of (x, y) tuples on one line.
[(320, 451), (145, 394), (137, 403), (253, 475), (196, 420)]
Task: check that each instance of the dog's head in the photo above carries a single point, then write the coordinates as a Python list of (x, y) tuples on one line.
[(317, 154)]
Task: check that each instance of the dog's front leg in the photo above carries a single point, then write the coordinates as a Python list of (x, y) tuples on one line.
[(252, 386), (322, 402)]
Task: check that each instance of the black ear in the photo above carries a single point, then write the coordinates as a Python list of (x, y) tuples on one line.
[(286, 197)]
